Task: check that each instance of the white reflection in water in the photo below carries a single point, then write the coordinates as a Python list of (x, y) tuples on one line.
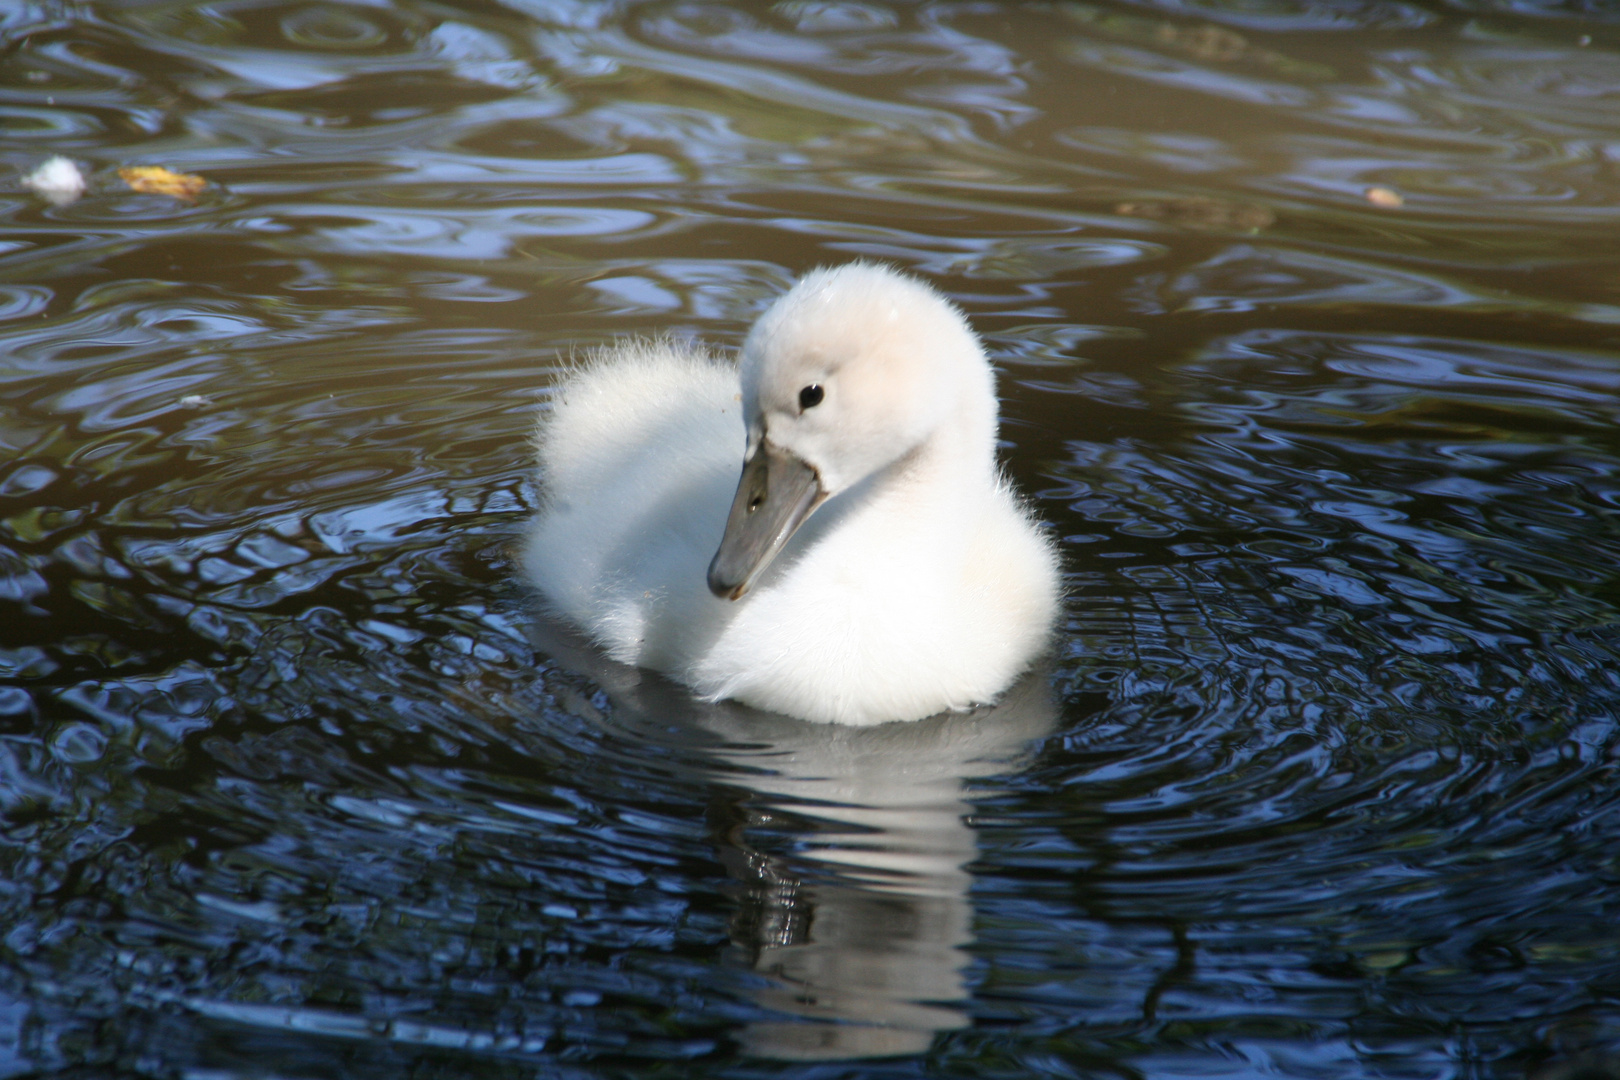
[(861, 932)]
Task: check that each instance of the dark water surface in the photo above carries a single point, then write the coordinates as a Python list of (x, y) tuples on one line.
[(1321, 780)]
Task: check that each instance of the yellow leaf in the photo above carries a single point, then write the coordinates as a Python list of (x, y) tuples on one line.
[(156, 180)]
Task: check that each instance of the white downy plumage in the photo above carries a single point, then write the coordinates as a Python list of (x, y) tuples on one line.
[(873, 566)]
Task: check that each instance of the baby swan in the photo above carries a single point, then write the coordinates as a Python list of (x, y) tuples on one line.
[(871, 565)]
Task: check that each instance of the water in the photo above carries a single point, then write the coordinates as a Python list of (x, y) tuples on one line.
[(1319, 780)]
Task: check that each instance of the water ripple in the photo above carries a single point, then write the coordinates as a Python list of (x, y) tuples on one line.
[(1320, 777)]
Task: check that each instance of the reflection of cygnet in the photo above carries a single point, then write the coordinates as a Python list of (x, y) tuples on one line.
[(878, 954), (919, 585), (860, 930)]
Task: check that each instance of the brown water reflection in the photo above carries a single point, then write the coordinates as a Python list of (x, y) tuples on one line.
[(287, 786)]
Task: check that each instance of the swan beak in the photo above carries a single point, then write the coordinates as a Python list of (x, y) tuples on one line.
[(777, 492)]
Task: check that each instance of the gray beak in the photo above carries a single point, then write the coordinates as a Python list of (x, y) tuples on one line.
[(777, 492)]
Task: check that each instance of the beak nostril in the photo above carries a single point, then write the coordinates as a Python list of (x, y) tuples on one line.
[(775, 493)]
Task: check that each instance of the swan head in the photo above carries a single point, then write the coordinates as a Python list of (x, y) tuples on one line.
[(852, 370)]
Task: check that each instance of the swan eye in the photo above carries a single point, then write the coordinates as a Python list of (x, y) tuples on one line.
[(810, 397)]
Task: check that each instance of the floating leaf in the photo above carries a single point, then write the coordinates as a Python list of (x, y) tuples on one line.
[(1386, 198), (1200, 212), (156, 180)]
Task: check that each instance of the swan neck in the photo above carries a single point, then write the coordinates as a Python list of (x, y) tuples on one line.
[(958, 453)]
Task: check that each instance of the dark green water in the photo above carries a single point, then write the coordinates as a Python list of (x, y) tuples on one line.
[(1321, 780)]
